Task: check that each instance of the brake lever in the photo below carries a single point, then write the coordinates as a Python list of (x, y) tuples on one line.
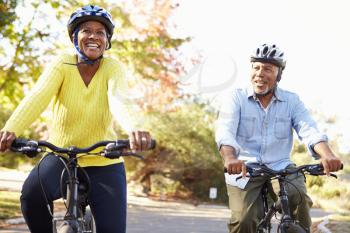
[(322, 173), (240, 177), (116, 154), (134, 155)]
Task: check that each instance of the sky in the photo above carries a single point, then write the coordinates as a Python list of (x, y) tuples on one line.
[(314, 34)]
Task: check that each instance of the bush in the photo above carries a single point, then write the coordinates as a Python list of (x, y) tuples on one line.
[(186, 153), (314, 180), (37, 131)]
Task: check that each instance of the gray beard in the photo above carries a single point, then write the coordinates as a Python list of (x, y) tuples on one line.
[(272, 90)]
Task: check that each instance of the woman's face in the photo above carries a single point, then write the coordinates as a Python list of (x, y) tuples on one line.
[(92, 39)]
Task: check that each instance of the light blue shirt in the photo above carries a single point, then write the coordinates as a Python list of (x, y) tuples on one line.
[(265, 135)]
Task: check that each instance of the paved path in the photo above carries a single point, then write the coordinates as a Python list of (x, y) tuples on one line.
[(175, 217), (146, 215)]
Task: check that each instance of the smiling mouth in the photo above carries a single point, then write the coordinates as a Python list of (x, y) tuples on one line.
[(261, 83), (92, 46)]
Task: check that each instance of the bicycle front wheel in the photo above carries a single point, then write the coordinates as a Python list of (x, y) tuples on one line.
[(89, 222), (290, 228), (66, 228)]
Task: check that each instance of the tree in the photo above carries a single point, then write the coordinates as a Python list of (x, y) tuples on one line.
[(151, 53), (22, 63), (186, 152), (148, 50)]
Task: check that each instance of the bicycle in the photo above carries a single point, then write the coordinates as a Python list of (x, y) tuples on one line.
[(78, 218), (286, 223)]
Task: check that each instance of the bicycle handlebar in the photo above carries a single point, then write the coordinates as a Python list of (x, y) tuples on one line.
[(256, 170), (112, 149)]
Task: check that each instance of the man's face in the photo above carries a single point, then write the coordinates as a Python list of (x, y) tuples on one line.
[(92, 39), (263, 77)]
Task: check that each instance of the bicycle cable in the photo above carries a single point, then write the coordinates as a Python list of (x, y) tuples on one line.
[(61, 180), (40, 182), (42, 187), (289, 182), (66, 164)]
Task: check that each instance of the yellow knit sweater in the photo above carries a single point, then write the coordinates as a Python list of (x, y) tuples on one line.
[(81, 115)]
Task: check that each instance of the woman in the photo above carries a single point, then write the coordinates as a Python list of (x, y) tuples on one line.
[(83, 89)]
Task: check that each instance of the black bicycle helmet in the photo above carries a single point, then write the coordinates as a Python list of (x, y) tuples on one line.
[(269, 53), (91, 12)]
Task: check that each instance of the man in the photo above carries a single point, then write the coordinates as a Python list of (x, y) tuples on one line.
[(255, 125)]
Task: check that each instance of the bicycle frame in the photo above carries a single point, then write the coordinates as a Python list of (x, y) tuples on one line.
[(75, 220), (287, 224), (74, 215)]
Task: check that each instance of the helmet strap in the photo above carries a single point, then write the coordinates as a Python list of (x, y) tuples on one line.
[(279, 74)]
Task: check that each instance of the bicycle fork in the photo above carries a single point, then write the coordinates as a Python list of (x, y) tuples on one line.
[(71, 219), (265, 224), (287, 223)]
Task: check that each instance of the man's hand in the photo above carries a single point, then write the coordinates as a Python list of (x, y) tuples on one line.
[(330, 162), (140, 141), (231, 163), (6, 139), (235, 166)]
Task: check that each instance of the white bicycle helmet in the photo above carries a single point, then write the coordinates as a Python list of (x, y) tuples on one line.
[(269, 53)]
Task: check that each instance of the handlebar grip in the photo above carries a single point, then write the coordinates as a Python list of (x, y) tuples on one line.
[(113, 154), (18, 143), (27, 147), (341, 166)]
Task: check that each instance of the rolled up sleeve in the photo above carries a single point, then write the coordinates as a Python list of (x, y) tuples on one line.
[(227, 123), (306, 128)]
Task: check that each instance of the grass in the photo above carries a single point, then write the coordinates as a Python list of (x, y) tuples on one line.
[(330, 194), (9, 204), (327, 192)]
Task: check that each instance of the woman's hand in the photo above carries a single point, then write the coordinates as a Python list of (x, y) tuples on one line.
[(6, 139), (140, 141)]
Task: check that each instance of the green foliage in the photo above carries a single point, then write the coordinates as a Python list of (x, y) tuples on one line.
[(147, 51), (10, 159), (7, 14), (24, 63), (326, 192), (312, 181), (9, 204), (186, 153), (331, 193)]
